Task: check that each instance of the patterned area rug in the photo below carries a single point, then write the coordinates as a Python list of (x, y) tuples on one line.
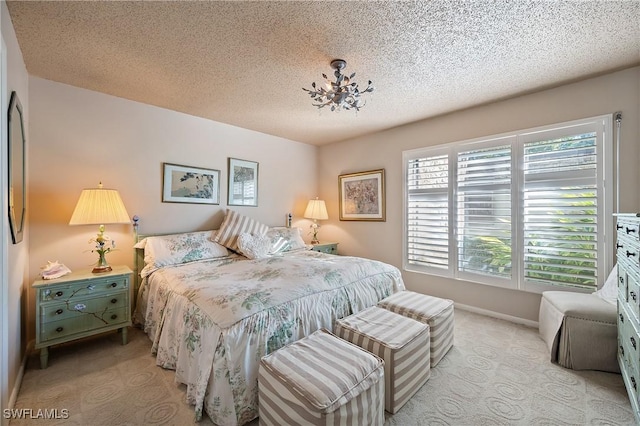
[(498, 373)]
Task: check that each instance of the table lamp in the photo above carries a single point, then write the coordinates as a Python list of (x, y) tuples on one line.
[(100, 206), (316, 210)]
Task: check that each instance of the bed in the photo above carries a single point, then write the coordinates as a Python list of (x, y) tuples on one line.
[(212, 313)]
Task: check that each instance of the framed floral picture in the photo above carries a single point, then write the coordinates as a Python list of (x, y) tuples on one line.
[(243, 183), (362, 196), (185, 184)]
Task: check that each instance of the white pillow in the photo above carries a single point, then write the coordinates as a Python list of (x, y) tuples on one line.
[(609, 290), (175, 249), (254, 246), (235, 224), (291, 235)]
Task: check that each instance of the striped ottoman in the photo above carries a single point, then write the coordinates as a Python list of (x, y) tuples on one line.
[(401, 342), (436, 312), (321, 380)]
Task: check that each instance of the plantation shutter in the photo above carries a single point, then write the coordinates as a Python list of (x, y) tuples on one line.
[(484, 188), (527, 210), (560, 204), (428, 212)]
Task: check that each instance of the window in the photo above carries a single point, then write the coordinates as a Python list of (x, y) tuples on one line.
[(528, 210), (428, 221)]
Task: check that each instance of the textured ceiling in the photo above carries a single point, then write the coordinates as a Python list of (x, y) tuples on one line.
[(245, 63)]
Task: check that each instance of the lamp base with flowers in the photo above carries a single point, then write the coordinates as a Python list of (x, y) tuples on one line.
[(314, 230), (101, 241), (102, 265)]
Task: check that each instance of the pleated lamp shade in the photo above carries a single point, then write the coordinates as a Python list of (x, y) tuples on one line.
[(317, 210), (99, 206)]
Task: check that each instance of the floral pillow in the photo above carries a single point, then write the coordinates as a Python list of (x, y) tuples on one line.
[(254, 246), (290, 235), (176, 249)]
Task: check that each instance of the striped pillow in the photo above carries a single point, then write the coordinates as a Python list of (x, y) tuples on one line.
[(235, 224)]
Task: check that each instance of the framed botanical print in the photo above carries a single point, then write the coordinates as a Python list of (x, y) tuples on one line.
[(185, 184), (243, 183), (362, 196)]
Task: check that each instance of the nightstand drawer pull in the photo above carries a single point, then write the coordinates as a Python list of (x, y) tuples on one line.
[(114, 316), (621, 350), (59, 329), (633, 342), (90, 287), (630, 230), (114, 285), (59, 294), (618, 245), (618, 226), (114, 300), (621, 318), (630, 254), (80, 307), (59, 311), (633, 295), (633, 383)]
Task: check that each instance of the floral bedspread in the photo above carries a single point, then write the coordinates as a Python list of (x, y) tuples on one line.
[(212, 321)]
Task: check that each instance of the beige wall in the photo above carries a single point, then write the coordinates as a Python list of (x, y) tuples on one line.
[(17, 79), (80, 137), (619, 91)]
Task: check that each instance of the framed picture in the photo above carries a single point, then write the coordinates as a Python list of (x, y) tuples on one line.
[(362, 196), (243, 183), (185, 184)]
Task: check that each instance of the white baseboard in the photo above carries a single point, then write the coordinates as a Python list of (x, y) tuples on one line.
[(498, 315), (23, 366)]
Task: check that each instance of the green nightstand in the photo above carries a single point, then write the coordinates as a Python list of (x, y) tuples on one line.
[(330, 248), (81, 304)]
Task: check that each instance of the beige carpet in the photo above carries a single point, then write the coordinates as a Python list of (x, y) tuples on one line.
[(497, 373)]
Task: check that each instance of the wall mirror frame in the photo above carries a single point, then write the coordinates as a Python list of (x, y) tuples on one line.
[(16, 169)]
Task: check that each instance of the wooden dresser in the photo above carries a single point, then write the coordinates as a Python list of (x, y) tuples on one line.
[(628, 253), (81, 304)]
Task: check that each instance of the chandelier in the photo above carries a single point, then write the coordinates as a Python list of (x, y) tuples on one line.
[(340, 94)]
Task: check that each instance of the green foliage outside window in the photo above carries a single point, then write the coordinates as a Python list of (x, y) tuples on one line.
[(574, 263)]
